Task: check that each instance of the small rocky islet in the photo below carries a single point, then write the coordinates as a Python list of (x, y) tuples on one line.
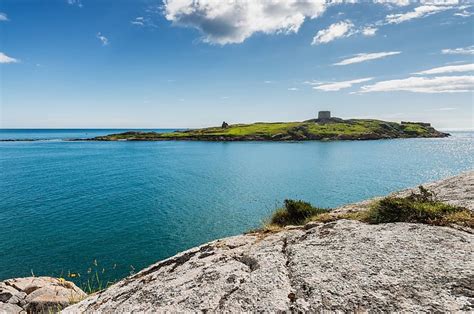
[(324, 128), (342, 265)]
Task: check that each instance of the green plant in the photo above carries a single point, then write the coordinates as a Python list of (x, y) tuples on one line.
[(422, 207), (295, 212)]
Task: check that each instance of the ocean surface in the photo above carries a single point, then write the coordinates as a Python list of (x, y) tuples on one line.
[(120, 206)]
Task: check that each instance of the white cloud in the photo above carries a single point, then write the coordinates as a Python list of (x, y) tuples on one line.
[(369, 31), (447, 109), (3, 17), (448, 69), (336, 30), (459, 51), (140, 21), (103, 39), (143, 21), (233, 21), (394, 2), (75, 2), (226, 22), (418, 12), (362, 57), (439, 84), (335, 86), (293, 89), (6, 59), (463, 13)]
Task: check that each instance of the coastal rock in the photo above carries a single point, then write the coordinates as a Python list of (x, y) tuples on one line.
[(457, 191), (337, 266), (37, 294), (10, 308)]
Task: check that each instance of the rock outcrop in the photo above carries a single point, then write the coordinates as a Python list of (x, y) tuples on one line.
[(337, 266), (37, 295)]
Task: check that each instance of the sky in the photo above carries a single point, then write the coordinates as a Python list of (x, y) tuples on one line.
[(186, 64)]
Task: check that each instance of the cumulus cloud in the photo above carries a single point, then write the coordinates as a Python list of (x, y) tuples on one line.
[(439, 84), (334, 31), (293, 89), (459, 51), (226, 22), (362, 57), (104, 40), (234, 21), (448, 69), (6, 59), (418, 12), (3, 17), (335, 86)]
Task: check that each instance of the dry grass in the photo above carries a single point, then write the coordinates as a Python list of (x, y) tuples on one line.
[(422, 207)]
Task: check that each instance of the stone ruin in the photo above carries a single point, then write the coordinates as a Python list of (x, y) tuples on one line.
[(324, 115)]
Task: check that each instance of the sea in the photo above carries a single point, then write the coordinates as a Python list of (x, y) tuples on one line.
[(80, 208)]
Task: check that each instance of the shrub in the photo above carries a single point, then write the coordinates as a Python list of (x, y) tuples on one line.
[(422, 207), (295, 213)]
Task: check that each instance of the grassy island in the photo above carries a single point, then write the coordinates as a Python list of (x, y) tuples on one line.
[(316, 129)]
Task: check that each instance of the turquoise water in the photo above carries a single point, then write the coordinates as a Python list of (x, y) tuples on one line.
[(63, 134), (65, 204)]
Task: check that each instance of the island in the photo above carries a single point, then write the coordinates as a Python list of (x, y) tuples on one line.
[(323, 128)]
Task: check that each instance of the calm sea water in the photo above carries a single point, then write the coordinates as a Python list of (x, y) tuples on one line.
[(128, 204)]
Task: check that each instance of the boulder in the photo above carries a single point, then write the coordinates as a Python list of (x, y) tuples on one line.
[(37, 294), (10, 308)]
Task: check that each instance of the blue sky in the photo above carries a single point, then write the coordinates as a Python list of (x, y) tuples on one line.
[(183, 63)]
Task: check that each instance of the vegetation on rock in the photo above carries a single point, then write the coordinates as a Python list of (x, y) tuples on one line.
[(422, 207), (295, 213), (332, 129)]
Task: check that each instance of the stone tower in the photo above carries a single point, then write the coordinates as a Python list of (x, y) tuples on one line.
[(324, 115)]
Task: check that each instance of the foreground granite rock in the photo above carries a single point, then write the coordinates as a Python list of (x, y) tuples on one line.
[(338, 266), (37, 295)]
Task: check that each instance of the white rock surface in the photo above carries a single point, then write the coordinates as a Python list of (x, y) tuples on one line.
[(337, 266)]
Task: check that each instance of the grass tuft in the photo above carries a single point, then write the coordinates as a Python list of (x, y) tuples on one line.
[(295, 213), (421, 207)]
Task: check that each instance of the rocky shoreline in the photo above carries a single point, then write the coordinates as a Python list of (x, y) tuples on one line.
[(343, 265), (338, 266)]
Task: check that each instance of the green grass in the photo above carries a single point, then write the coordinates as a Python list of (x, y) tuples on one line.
[(92, 280), (421, 207), (294, 213)]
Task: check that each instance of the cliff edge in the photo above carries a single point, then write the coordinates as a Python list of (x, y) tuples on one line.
[(343, 265)]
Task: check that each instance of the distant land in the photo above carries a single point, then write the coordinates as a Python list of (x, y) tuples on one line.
[(322, 129)]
